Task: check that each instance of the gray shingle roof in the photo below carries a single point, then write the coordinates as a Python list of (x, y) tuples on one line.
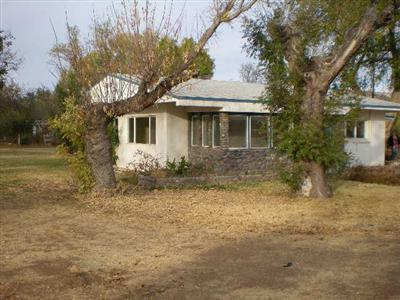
[(373, 102), (215, 89), (200, 89)]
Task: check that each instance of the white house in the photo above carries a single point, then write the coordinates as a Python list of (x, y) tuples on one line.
[(217, 123)]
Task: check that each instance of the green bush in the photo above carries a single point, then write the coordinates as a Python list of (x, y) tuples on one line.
[(292, 175), (70, 128), (178, 168)]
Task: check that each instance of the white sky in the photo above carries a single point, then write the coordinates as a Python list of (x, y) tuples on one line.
[(29, 23)]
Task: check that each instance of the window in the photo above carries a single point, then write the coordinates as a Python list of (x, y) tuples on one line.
[(355, 130), (153, 127), (142, 130), (258, 127), (216, 133), (360, 129), (238, 131), (131, 130), (196, 130), (245, 131), (207, 130)]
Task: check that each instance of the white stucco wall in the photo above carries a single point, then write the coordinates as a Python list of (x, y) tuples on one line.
[(171, 135), (369, 151), (177, 131)]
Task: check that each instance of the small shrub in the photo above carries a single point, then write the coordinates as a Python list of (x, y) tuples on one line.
[(179, 168), (292, 175), (144, 163)]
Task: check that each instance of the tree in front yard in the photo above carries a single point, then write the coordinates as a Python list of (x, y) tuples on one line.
[(148, 49), (304, 46)]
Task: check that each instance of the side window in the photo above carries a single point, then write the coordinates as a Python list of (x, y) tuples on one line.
[(355, 130), (196, 130), (142, 130)]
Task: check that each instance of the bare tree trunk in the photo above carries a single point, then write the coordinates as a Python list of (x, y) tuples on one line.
[(99, 149), (315, 183)]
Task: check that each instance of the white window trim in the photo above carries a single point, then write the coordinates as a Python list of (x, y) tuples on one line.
[(247, 133), (203, 131), (134, 129), (247, 137), (214, 116), (365, 138)]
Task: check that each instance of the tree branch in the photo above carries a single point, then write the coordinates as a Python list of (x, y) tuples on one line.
[(146, 97), (356, 36)]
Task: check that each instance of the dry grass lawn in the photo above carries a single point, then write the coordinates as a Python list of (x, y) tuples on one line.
[(233, 242)]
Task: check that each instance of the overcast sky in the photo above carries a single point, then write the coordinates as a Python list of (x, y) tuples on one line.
[(29, 22)]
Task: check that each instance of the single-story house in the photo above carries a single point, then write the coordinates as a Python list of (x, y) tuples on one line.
[(217, 123)]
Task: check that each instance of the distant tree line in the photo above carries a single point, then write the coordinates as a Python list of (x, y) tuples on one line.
[(23, 114)]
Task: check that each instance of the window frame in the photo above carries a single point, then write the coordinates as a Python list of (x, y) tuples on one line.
[(203, 130), (266, 118), (213, 117), (135, 126), (247, 132), (355, 131), (192, 130)]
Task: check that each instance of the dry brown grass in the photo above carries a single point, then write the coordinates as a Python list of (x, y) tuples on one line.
[(267, 207), (228, 242)]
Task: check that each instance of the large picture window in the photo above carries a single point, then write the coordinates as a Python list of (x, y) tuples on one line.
[(142, 130), (245, 131)]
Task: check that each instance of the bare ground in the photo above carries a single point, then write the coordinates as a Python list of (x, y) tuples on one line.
[(241, 242)]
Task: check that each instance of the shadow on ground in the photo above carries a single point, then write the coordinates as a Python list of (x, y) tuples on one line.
[(286, 267)]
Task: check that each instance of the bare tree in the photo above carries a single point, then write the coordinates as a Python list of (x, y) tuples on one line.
[(251, 73), (139, 45)]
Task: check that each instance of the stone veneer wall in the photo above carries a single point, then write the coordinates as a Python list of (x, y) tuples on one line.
[(225, 161)]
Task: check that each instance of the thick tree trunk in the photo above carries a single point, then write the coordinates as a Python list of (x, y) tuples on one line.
[(315, 184), (99, 150)]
